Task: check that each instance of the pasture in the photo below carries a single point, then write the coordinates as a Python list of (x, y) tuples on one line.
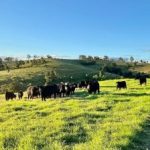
[(112, 120)]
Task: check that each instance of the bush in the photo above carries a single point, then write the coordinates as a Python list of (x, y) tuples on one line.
[(14, 85), (87, 62)]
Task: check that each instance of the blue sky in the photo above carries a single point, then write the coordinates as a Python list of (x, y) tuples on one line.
[(69, 28)]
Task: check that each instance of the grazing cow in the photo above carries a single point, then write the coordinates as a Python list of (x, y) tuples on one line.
[(93, 87), (20, 94), (48, 91), (121, 85), (143, 80), (72, 88), (33, 91), (10, 95), (82, 84), (68, 89), (61, 89)]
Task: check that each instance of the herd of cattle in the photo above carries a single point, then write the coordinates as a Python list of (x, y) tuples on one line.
[(65, 89), (55, 90)]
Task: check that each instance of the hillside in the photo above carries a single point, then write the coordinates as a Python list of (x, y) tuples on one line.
[(144, 68), (35, 74), (113, 119)]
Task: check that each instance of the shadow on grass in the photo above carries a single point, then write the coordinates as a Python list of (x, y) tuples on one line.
[(84, 95), (131, 94), (108, 86), (141, 140), (74, 132), (122, 101), (80, 136)]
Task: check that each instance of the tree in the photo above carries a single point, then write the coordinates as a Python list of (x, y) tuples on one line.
[(28, 57), (15, 84), (17, 64), (90, 58), (43, 61), (7, 68), (95, 77), (82, 57), (121, 59), (1, 64), (49, 57), (106, 58), (9, 59), (50, 77), (35, 56), (101, 72), (141, 61), (131, 59), (96, 58)]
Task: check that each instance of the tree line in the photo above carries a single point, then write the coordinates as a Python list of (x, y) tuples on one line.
[(8, 63)]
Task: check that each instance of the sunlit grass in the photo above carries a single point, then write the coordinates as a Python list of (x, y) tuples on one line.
[(111, 120)]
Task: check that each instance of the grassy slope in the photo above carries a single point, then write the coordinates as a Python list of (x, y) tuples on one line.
[(145, 68), (36, 74), (112, 120), (67, 68)]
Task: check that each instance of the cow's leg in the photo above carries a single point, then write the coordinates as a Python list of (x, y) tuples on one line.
[(54, 95), (98, 91)]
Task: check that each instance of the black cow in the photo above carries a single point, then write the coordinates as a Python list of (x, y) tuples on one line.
[(61, 89), (20, 94), (68, 89), (93, 87), (10, 95), (121, 85), (33, 91), (48, 91), (143, 80), (72, 88), (82, 84)]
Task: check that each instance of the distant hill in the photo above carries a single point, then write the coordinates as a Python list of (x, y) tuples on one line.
[(144, 68)]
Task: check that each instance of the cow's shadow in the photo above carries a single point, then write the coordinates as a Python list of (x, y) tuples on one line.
[(84, 95), (131, 94)]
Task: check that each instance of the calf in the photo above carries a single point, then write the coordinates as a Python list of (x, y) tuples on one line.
[(10, 95), (20, 94)]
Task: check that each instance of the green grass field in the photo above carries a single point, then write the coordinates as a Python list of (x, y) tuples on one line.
[(112, 120)]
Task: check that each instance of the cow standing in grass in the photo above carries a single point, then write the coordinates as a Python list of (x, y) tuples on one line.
[(61, 90), (48, 91), (93, 87), (32, 92), (9, 95), (20, 94), (121, 85), (143, 80)]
